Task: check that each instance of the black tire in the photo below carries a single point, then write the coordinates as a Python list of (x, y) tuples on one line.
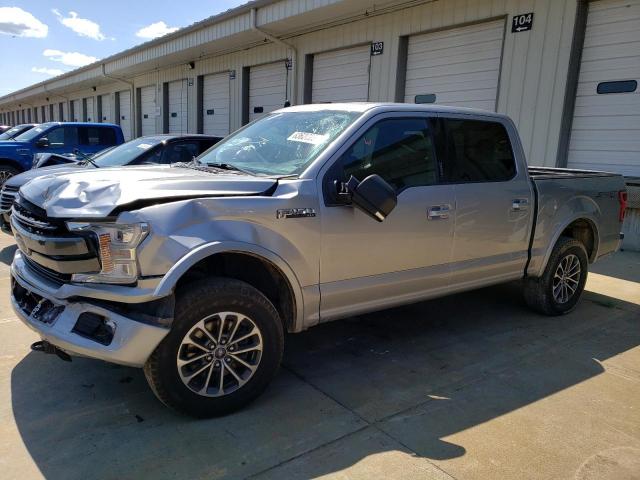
[(195, 302), (538, 292), (6, 172)]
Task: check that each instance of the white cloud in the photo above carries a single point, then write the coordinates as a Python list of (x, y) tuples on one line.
[(155, 30), (16, 22), (82, 26), (47, 71), (73, 59)]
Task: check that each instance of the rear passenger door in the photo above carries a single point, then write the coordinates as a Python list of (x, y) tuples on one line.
[(493, 200), (95, 139)]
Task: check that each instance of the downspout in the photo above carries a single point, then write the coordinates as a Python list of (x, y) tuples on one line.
[(132, 90), (294, 50)]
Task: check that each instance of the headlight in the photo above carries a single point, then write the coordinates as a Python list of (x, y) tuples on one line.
[(117, 248)]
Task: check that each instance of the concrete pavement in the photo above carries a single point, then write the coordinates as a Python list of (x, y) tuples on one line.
[(472, 386)]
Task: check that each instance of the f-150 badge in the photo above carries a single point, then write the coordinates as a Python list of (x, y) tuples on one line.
[(295, 212)]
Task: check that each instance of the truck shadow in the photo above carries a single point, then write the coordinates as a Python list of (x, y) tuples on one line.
[(7, 253), (418, 373)]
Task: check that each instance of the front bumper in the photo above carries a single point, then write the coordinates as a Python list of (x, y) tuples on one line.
[(132, 342)]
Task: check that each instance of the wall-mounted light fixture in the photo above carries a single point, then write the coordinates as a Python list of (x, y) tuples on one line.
[(93, 88), (191, 65)]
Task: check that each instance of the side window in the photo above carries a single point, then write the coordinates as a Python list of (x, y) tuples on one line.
[(181, 152), (399, 150), (477, 151), (151, 158), (71, 136), (89, 135), (107, 136), (206, 144), (56, 137)]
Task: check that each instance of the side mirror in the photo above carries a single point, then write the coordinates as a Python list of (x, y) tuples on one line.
[(42, 142), (373, 196)]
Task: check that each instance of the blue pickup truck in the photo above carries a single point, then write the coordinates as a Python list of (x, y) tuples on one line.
[(55, 137)]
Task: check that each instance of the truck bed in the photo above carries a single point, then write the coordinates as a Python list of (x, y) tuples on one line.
[(544, 173)]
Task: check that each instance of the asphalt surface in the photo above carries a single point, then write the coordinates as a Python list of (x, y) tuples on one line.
[(472, 386)]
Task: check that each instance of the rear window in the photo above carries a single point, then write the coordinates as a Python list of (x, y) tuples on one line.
[(477, 151)]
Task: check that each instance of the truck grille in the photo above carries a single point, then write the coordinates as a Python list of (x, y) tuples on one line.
[(7, 196), (49, 249)]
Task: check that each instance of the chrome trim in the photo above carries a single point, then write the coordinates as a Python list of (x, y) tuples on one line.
[(32, 222)]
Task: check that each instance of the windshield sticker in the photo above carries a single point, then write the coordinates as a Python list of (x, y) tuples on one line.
[(305, 137), (145, 146)]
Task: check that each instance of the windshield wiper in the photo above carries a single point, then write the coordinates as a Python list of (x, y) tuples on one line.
[(85, 158), (230, 167)]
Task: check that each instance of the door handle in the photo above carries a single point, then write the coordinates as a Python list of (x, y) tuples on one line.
[(439, 212), (520, 204)]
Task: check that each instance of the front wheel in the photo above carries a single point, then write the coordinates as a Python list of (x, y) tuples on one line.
[(224, 348), (6, 172), (559, 288)]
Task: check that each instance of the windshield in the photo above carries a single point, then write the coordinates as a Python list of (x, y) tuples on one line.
[(125, 153), (9, 134), (281, 143), (32, 133)]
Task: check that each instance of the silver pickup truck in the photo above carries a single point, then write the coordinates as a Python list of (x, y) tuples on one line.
[(310, 214)]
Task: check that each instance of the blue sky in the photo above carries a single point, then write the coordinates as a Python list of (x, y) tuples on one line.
[(39, 39)]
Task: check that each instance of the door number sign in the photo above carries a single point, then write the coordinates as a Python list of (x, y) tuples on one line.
[(522, 23), (377, 48)]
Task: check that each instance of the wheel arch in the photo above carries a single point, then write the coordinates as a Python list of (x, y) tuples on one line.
[(247, 262), (582, 228), (11, 163)]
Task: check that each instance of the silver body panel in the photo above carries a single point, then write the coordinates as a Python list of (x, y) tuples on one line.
[(338, 262)]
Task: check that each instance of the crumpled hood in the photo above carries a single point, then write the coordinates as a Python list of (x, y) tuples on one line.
[(96, 193), (24, 177)]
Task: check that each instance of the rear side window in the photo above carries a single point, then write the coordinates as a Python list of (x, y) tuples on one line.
[(97, 136), (477, 151), (399, 150)]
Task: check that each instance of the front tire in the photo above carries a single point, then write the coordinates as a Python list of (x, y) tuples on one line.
[(6, 172), (559, 288), (224, 348)]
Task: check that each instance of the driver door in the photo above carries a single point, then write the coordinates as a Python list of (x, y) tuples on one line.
[(365, 264)]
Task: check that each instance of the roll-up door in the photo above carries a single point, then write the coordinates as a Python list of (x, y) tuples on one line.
[(148, 110), (458, 66), (215, 104), (341, 75), (178, 106), (89, 116), (76, 112), (267, 88), (124, 106), (106, 115), (605, 133)]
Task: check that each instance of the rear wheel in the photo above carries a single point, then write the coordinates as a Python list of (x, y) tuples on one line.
[(559, 288), (224, 348)]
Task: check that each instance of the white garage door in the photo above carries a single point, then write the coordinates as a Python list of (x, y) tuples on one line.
[(341, 75), (459, 66), (89, 117), (124, 106), (267, 89), (178, 107), (76, 111), (215, 104), (148, 110), (605, 133), (105, 107)]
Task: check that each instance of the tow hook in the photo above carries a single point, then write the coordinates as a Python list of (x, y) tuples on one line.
[(45, 347)]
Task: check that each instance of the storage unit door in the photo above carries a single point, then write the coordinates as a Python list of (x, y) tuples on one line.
[(90, 110), (267, 89), (77, 111), (605, 133), (341, 75), (215, 104), (459, 66), (148, 109), (124, 105), (106, 109), (178, 107)]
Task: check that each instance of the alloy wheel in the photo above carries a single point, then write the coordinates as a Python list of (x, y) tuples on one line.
[(566, 278)]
